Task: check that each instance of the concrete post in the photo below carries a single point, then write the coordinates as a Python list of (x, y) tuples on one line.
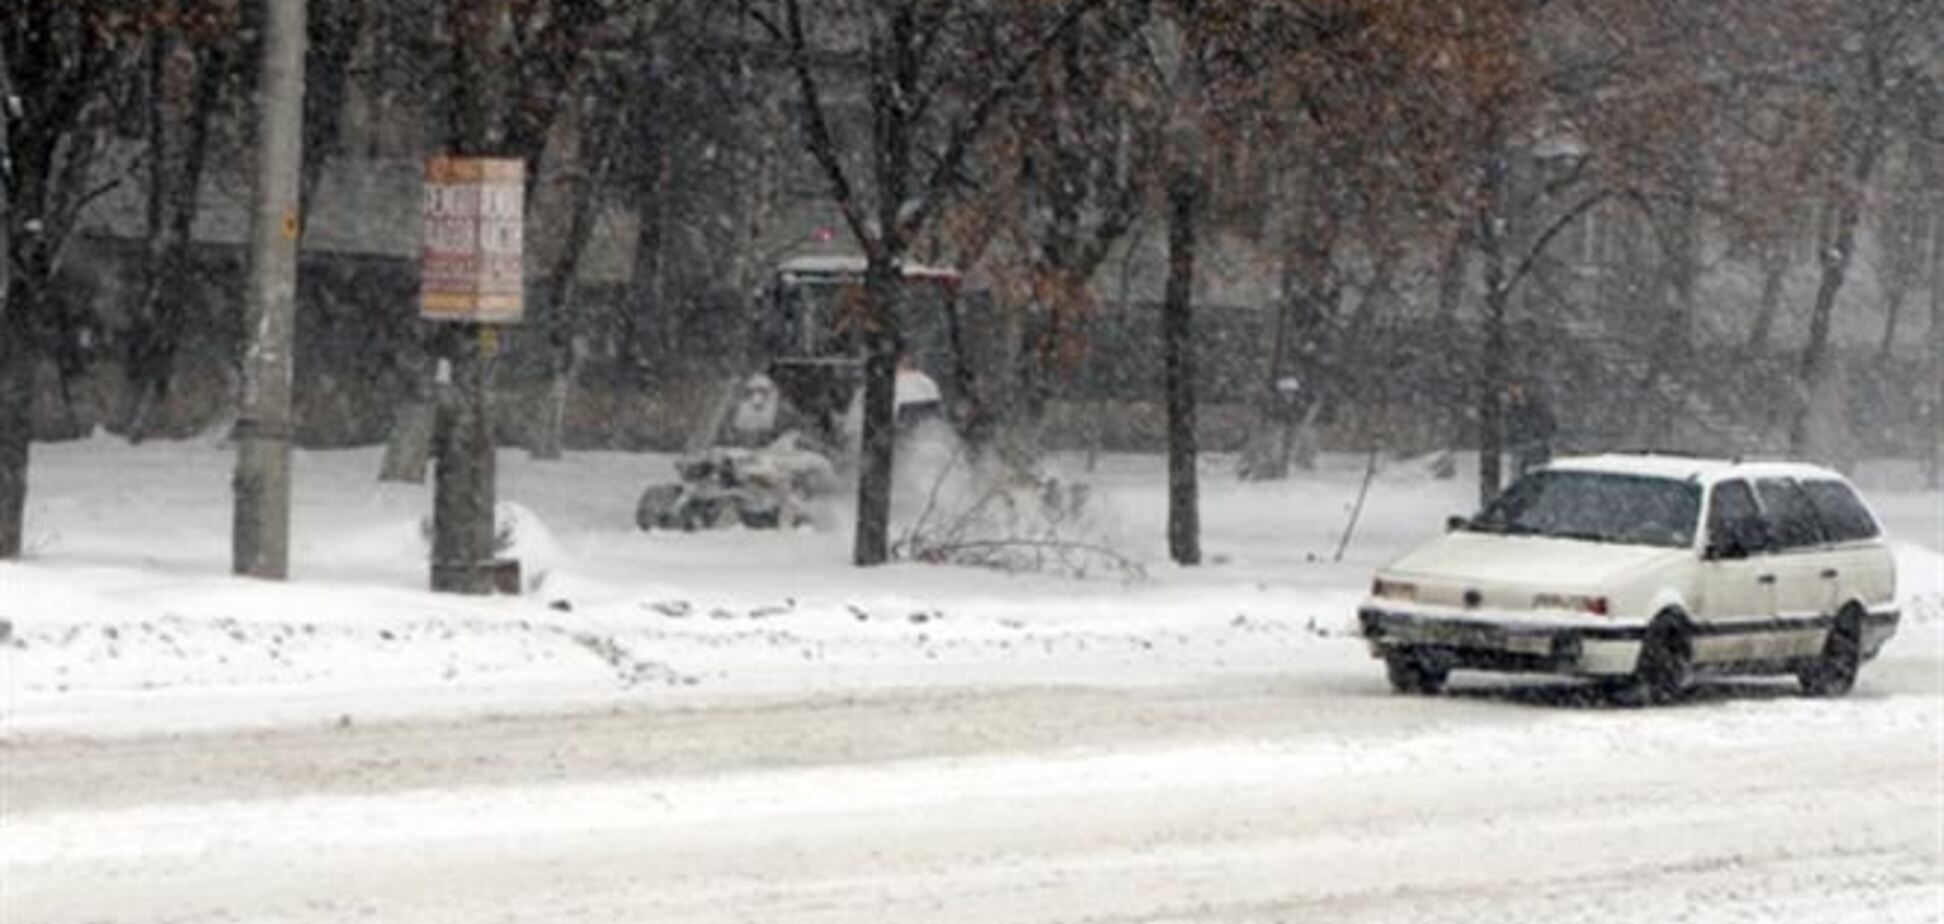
[(260, 540)]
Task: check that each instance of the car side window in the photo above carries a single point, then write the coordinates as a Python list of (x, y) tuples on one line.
[(1735, 525), (1793, 523), (1843, 515)]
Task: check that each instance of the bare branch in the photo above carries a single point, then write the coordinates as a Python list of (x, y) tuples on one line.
[(944, 173), (1545, 237), (822, 146)]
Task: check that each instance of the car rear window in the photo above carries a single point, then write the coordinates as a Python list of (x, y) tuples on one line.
[(1844, 518), (1792, 518)]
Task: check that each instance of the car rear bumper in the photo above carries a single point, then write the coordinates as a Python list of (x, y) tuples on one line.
[(1593, 650)]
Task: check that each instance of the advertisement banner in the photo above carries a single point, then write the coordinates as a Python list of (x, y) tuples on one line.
[(470, 267)]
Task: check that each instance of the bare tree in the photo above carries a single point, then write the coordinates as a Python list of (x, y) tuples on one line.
[(935, 73), (1070, 165), (334, 30), (1852, 69), (1564, 109), (182, 118), (1207, 76), (66, 62), (558, 77), (1480, 57), (598, 125), (1903, 230)]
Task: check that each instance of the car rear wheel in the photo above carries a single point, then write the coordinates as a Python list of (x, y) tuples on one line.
[(1666, 664), (1834, 674), (1410, 673)]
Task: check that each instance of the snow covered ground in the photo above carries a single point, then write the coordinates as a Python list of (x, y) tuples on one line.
[(739, 726), (125, 619)]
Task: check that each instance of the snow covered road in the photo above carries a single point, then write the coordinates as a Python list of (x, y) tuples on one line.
[(1247, 800), (740, 727)]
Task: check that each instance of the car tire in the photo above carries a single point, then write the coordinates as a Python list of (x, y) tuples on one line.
[(1409, 673), (1666, 664), (1834, 674)]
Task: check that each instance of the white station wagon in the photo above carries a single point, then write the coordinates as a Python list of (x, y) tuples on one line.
[(1645, 570)]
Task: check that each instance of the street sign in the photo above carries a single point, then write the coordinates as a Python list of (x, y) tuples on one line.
[(470, 266)]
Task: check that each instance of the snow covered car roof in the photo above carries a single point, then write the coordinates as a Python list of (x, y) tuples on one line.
[(1657, 465), (851, 265)]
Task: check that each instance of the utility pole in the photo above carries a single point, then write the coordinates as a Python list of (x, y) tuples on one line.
[(260, 541), (16, 389), (471, 282), (464, 472), (1934, 439)]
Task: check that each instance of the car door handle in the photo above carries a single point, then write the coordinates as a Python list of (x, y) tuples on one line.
[(1765, 579), (1829, 574)]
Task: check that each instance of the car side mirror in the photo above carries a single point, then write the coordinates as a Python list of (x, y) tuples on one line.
[(1736, 543), (1455, 523), (1732, 548)]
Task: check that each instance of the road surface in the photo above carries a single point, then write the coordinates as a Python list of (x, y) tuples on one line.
[(1313, 797)]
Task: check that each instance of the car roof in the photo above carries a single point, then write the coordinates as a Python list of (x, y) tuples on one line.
[(1690, 468), (854, 265)]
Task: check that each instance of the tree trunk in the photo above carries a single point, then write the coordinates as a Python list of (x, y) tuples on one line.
[(1893, 302), (651, 334), (144, 333), (1491, 389), (1378, 291), (1124, 304), (1934, 437), (560, 312), (1449, 404), (1683, 277), (1774, 269), (1659, 391), (16, 369), (334, 27), (1492, 364), (27, 267), (1835, 260), (175, 200), (549, 438), (16, 418), (1451, 272), (892, 76), (65, 68), (1267, 456), (408, 448), (882, 285), (1177, 333)]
